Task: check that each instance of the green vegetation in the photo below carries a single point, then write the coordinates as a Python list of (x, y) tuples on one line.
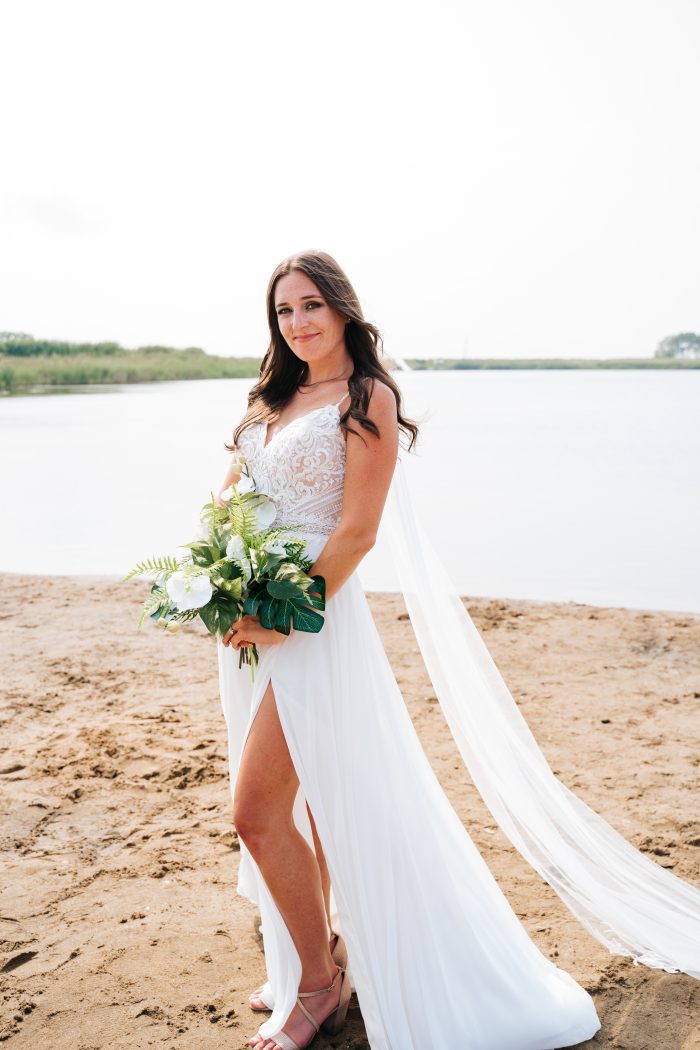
[(676, 351), (685, 344), (550, 362), (26, 362)]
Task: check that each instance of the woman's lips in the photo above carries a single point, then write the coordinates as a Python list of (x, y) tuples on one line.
[(304, 338)]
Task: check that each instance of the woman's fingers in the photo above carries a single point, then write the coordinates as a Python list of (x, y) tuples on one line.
[(240, 630), (247, 631), (230, 636)]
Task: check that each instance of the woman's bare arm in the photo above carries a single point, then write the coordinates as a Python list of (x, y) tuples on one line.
[(232, 477), (369, 467)]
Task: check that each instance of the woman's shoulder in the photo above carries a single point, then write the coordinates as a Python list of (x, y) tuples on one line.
[(248, 426), (382, 399)]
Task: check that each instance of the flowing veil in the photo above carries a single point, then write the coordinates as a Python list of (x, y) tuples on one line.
[(628, 902)]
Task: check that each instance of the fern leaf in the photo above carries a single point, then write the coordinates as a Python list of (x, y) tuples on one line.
[(155, 567)]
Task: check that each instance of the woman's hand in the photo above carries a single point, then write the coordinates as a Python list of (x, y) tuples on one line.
[(248, 631), (233, 476)]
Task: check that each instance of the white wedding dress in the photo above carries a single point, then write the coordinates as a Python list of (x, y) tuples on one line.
[(438, 958)]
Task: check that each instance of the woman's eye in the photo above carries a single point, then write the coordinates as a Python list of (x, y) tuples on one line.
[(284, 309)]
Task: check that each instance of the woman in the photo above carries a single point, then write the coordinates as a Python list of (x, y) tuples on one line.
[(331, 788)]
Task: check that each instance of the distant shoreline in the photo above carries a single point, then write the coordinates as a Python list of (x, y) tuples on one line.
[(416, 364), (38, 372), (47, 375)]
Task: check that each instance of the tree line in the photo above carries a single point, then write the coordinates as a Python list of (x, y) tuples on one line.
[(19, 344), (26, 362), (685, 344)]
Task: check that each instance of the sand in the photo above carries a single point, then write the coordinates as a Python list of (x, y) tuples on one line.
[(121, 926)]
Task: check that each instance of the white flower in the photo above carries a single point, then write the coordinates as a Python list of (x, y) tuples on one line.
[(188, 592), (247, 568), (265, 511), (202, 531), (239, 459), (235, 548), (275, 547), (245, 484)]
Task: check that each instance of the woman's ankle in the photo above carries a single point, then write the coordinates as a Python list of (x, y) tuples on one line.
[(313, 980)]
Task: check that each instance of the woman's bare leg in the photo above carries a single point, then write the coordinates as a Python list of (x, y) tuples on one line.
[(264, 794), (255, 999), (322, 867)]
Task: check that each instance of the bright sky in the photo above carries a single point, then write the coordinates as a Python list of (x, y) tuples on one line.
[(497, 178)]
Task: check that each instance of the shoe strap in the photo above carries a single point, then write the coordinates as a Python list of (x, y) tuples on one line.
[(330, 987), (310, 1017)]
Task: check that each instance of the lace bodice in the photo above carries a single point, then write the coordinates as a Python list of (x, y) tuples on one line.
[(302, 468)]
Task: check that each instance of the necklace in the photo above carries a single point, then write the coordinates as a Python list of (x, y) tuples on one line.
[(319, 381)]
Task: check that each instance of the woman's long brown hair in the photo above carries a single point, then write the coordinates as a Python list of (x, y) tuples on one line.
[(281, 371)]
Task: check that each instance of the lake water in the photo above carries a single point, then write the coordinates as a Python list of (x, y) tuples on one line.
[(553, 485)]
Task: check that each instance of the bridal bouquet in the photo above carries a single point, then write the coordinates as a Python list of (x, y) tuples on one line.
[(238, 565)]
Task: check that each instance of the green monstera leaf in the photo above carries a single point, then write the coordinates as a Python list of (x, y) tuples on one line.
[(267, 612), (252, 603), (320, 587), (285, 589), (283, 618), (307, 620), (286, 602)]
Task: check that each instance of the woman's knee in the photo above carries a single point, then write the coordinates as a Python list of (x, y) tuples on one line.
[(249, 817), (261, 815)]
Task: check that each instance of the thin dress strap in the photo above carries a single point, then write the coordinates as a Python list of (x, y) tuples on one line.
[(346, 394)]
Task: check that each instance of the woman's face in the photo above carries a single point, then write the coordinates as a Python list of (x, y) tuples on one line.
[(311, 328)]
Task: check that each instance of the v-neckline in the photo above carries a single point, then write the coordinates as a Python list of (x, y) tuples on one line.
[(265, 424)]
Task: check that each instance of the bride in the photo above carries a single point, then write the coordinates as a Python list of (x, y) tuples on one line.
[(364, 875)]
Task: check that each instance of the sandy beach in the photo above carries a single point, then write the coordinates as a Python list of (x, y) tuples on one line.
[(121, 927)]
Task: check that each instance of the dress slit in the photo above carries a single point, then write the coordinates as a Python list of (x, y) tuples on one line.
[(281, 956), (254, 715)]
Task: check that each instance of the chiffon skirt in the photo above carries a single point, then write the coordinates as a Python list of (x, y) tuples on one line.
[(436, 955)]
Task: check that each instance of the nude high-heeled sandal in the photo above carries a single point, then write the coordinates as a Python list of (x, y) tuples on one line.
[(340, 957), (339, 951), (331, 1024)]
